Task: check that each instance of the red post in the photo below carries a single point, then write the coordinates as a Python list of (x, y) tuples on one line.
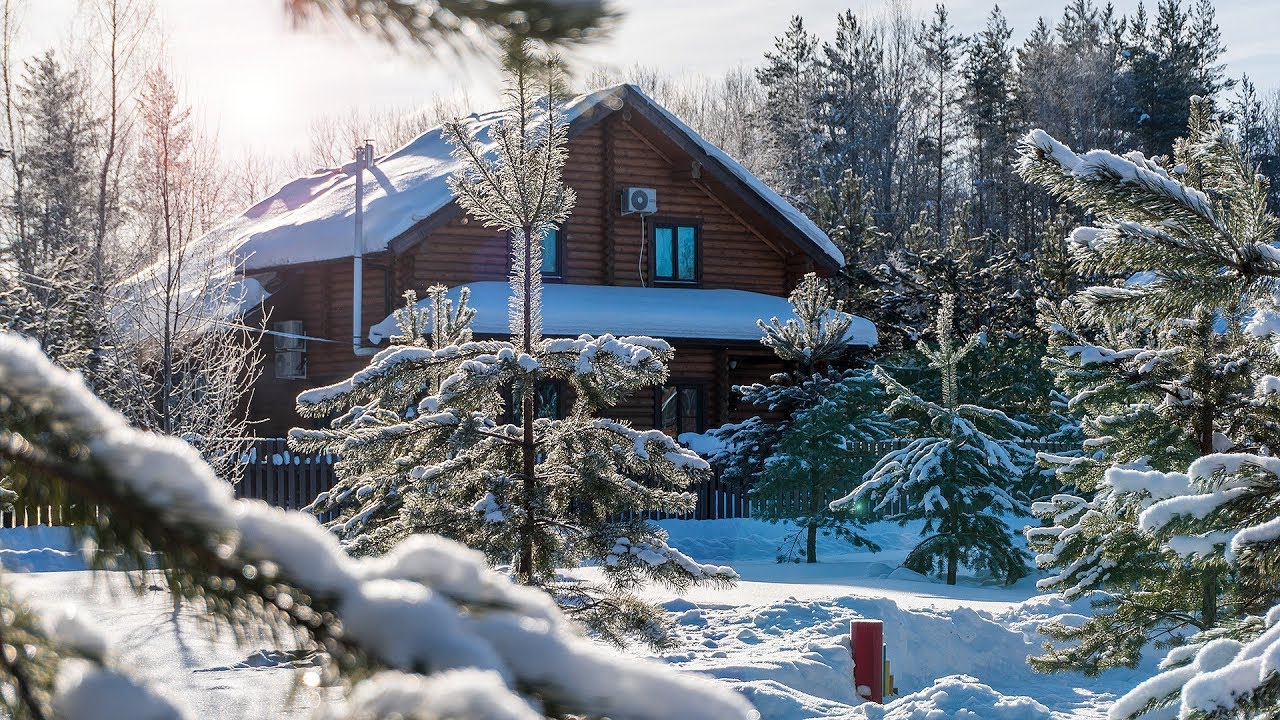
[(866, 641)]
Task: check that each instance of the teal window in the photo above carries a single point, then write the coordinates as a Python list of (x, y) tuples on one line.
[(675, 252), (551, 253)]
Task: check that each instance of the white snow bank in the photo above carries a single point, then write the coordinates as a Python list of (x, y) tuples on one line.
[(790, 658), (311, 218), (40, 548), (740, 540), (570, 310), (958, 697)]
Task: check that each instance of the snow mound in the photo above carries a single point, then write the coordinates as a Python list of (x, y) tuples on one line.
[(40, 548), (739, 540), (958, 697)]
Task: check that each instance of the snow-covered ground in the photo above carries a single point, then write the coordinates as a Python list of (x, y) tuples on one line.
[(780, 636)]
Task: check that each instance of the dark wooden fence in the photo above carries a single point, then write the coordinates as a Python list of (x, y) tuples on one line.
[(271, 472), (283, 478)]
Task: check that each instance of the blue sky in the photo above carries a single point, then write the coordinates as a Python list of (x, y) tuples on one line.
[(260, 81)]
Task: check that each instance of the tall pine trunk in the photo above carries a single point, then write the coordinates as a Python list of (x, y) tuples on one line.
[(811, 544), (953, 550), (528, 447)]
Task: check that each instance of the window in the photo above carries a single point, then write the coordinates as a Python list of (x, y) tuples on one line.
[(548, 401), (675, 252), (680, 409), (551, 253), (552, 243)]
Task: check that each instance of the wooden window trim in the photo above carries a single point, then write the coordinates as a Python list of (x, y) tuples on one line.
[(673, 223), (559, 273)]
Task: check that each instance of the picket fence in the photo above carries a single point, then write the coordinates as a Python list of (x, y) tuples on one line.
[(272, 472)]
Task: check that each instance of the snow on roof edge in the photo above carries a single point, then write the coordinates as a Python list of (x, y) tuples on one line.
[(663, 312)]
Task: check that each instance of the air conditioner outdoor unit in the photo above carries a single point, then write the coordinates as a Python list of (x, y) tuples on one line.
[(291, 365), (639, 200), (290, 335)]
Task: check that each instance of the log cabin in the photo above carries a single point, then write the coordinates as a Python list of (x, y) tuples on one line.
[(670, 237)]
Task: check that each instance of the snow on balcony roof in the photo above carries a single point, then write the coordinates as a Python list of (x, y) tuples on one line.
[(667, 313), (312, 218)]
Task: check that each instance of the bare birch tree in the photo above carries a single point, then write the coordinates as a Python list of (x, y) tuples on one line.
[(183, 313)]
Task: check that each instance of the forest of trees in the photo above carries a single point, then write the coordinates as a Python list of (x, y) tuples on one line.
[(898, 136)]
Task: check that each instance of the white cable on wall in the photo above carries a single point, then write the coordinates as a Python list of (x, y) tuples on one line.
[(644, 239)]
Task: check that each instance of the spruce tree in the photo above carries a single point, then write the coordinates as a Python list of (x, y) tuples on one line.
[(1193, 236), (956, 473), (992, 117), (1150, 401), (796, 463), (377, 501), (847, 70), (942, 50), (48, 291), (789, 78), (544, 494)]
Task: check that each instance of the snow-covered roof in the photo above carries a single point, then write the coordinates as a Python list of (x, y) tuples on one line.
[(312, 217), (667, 313)]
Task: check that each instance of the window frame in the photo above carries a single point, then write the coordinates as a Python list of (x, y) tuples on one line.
[(675, 223), (700, 417), (510, 412), (558, 275)]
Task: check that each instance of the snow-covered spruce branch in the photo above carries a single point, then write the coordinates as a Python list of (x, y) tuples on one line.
[(428, 606), (1198, 224)]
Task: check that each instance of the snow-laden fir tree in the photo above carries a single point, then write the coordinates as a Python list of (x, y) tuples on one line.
[(541, 493), (1208, 241), (375, 502), (422, 630), (1149, 402), (956, 474), (796, 463), (1175, 379), (1227, 504)]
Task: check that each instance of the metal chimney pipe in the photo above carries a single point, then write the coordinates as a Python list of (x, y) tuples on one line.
[(364, 158)]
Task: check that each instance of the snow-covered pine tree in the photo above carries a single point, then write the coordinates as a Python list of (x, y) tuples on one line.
[(1198, 224), (47, 289), (795, 463), (824, 443), (376, 501), (1197, 230), (544, 493), (425, 626), (956, 474), (1228, 506), (788, 118), (1145, 399)]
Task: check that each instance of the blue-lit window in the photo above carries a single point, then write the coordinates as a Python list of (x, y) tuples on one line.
[(675, 252), (551, 253)]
